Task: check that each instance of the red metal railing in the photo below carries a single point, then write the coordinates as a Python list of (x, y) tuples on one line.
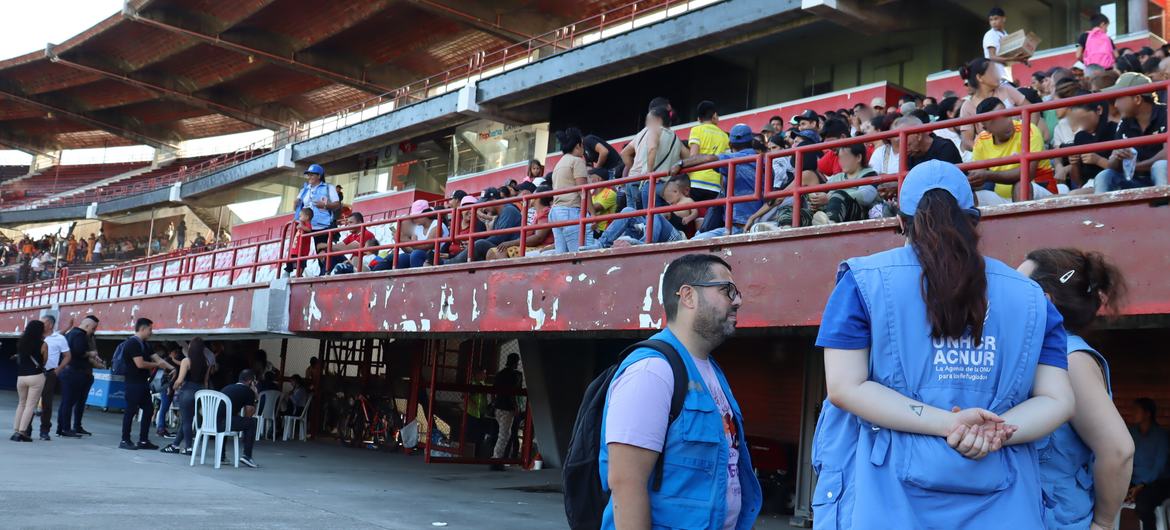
[(479, 65), (212, 266)]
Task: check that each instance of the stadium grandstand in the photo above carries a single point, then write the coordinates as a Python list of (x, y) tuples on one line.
[(176, 137)]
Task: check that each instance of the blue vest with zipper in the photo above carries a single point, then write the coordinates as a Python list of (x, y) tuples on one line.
[(915, 481), (694, 486), (1066, 464)]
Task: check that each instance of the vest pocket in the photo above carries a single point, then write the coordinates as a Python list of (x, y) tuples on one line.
[(929, 463), (679, 514), (830, 486)]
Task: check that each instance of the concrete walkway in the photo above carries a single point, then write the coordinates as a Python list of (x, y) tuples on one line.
[(90, 483)]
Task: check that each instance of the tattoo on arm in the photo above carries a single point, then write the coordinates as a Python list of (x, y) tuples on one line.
[(916, 409)]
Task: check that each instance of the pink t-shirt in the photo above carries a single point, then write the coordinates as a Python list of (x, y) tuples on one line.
[(639, 409)]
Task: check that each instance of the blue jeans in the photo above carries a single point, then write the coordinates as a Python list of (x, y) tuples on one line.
[(164, 404), (718, 232), (186, 398), (1113, 180), (566, 237), (635, 228), (644, 196), (75, 386), (412, 259)]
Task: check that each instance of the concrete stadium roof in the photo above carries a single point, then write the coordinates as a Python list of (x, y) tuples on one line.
[(163, 71)]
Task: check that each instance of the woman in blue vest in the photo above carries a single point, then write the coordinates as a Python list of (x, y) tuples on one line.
[(952, 363), (1085, 464)]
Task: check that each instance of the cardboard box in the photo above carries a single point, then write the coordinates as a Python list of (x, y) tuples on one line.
[(1018, 46)]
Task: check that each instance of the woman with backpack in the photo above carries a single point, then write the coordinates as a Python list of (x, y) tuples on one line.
[(1085, 465), (942, 366), (31, 354), (193, 374)]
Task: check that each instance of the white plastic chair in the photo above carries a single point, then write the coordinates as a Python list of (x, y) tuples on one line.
[(208, 403), (270, 400), (299, 422)]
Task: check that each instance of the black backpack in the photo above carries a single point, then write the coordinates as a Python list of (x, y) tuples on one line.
[(585, 501)]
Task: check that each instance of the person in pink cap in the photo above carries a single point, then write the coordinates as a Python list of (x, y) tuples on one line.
[(422, 230)]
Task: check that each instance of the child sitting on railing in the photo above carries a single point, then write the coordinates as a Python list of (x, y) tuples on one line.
[(301, 242)]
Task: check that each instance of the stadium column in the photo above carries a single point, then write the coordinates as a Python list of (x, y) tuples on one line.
[(556, 373)]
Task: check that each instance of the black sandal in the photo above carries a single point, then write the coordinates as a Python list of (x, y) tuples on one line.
[(173, 450)]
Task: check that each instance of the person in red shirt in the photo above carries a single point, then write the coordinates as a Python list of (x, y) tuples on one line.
[(301, 242), (356, 239), (834, 129)]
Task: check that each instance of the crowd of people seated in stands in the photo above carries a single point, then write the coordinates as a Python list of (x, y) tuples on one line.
[(587, 158)]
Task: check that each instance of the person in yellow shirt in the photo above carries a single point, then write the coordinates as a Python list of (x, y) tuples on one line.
[(707, 138), (1001, 138), (604, 199)]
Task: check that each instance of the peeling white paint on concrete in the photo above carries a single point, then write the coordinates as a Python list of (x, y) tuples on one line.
[(660, 278), (1099, 225), (612, 270), (349, 296), (425, 324), (536, 315), (646, 321), (232, 306), (374, 300), (408, 325), (647, 300), (133, 310), (1087, 222), (581, 277), (474, 304), (556, 305), (179, 317), (385, 325), (314, 311), (569, 279), (447, 304)]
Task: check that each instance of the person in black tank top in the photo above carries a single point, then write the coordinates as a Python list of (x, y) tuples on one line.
[(192, 378), (30, 376)]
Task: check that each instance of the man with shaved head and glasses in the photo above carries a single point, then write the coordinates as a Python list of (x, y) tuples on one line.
[(701, 301)]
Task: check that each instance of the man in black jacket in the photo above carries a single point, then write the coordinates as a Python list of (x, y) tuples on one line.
[(508, 381)]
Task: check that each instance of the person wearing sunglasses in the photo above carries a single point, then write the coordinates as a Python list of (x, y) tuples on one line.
[(941, 366), (701, 302)]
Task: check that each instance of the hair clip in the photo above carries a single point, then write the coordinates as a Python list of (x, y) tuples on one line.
[(1067, 276)]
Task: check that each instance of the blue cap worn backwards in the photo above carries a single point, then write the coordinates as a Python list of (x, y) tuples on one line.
[(935, 175), (740, 134)]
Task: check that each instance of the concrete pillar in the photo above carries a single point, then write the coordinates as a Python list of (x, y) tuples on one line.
[(557, 372), (1138, 11)]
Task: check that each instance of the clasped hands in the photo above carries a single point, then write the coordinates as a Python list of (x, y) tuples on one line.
[(978, 432)]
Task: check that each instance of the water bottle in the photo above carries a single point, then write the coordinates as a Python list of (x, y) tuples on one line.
[(1129, 165)]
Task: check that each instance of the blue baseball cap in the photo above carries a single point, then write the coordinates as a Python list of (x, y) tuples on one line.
[(316, 168), (935, 175), (740, 134), (810, 135)]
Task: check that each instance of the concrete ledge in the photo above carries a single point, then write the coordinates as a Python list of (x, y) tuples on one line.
[(64, 213), (710, 28), (142, 200), (412, 120), (260, 166)]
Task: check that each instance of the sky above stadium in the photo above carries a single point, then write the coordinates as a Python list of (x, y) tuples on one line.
[(30, 24)]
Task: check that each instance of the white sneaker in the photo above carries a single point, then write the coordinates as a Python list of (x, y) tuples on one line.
[(821, 218), (248, 462)]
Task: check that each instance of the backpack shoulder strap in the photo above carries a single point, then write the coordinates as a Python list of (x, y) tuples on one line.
[(682, 382)]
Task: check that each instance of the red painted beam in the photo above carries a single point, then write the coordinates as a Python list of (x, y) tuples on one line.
[(786, 276)]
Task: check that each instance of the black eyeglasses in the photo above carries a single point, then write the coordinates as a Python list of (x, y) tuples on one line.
[(728, 288)]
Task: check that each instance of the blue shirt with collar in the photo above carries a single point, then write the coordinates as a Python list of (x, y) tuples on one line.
[(309, 195), (745, 184)]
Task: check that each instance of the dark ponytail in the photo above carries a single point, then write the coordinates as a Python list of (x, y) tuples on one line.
[(954, 284), (569, 139), (1080, 283)]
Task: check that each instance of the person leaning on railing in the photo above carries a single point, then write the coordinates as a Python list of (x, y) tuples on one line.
[(744, 177)]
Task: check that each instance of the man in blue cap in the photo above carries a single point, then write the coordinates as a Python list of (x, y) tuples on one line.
[(740, 140), (323, 200)]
